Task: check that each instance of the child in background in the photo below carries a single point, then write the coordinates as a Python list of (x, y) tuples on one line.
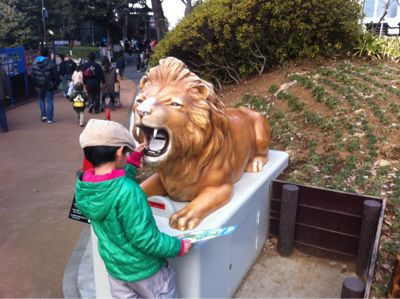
[(134, 251), (79, 98), (77, 77)]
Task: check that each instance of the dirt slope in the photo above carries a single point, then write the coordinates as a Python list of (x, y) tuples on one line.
[(340, 123)]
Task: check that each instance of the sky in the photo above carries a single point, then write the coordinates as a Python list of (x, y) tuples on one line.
[(174, 11)]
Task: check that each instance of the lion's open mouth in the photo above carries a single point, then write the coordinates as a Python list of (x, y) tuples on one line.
[(156, 140)]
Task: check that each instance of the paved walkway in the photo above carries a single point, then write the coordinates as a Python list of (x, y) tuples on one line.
[(37, 177)]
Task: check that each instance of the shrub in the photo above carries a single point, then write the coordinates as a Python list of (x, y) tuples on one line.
[(227, 40), (375, 47), (81, 52)]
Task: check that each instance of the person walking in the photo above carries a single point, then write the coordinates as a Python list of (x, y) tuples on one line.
[(46, 80), (79, 98), (93, 76), (137, 50), (121, 64), (77, 76), (70, 67), (108, 87), (62, 70), (4, 93)]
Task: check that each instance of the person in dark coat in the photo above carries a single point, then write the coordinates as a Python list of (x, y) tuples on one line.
[(108, 88), (4, 93), (137, 50), (70, 67), (93, 76), (121, 66), (46, 80), (62, 69)]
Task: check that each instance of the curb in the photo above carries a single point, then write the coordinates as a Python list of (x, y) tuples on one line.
[(70, 278)]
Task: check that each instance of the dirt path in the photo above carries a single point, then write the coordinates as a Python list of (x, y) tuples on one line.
[(38, 166)]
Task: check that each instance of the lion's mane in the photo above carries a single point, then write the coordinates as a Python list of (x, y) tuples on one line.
[(208, 124)]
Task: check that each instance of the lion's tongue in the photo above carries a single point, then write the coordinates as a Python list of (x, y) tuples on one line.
[(156, 144)]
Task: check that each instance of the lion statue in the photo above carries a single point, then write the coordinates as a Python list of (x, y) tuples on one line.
[(199, 147)]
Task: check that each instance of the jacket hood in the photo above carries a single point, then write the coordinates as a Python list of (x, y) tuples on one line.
[(95, 200), (42, 62), (107, 67), (40, 59)]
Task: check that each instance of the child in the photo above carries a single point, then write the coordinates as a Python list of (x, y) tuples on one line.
[(134, 251), (78, 102), (77, 77)]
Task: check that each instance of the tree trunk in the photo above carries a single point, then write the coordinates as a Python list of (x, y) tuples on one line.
[(125, 27), (159, 19), (188, 7)]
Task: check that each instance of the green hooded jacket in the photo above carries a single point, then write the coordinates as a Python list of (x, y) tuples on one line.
[(130, 243)]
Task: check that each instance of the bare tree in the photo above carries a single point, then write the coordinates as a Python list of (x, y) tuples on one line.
[(159, 18), (386, 6), (190, 5)]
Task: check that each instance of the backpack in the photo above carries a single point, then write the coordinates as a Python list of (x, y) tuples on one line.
[(89, 72), (79, 101)]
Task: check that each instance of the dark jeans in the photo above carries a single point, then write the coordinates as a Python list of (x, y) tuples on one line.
[(3, 117), (94, 98), (103, 100), (138, 61), (121, 72), (49, 110), (65, 84)]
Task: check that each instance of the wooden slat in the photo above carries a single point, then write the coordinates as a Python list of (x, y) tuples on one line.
[(375, 251), (335, 241), (325, 199), (274, 227), (326, 239), (326, 219)]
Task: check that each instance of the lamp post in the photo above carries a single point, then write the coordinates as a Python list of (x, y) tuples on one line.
[(54, 44), (44, 17)]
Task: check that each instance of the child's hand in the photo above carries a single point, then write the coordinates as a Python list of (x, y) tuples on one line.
[(187, 247), (140, 147)]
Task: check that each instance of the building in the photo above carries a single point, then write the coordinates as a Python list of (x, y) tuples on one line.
[(375, 9)]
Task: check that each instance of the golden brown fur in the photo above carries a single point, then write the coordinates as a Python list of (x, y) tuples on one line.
[(394, 289), (211, 146)]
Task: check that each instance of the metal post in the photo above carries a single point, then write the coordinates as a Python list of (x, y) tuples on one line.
[(370, 218), (352, 288), (44, 23), (287, 222), (54, 49)]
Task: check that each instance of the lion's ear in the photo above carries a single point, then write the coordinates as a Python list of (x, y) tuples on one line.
[(203, 91), (143, 82)]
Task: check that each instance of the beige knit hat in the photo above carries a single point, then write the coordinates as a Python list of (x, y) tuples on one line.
[(106, 133)]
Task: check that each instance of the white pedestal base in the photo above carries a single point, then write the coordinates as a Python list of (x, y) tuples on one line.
[(215, 268)]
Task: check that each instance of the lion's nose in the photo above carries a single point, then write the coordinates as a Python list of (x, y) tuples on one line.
[(142, 113), (145, 107)]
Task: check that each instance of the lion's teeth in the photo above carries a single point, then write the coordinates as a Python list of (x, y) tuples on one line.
[(155, 133), (137, 131)]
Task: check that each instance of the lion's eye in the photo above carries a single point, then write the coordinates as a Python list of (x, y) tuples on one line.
[(176, 104)]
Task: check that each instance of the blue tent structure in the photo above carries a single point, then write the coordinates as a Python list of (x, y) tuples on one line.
[(13, 61)]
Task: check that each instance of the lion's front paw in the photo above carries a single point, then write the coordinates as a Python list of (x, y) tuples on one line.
[(185, 219), (256, 164)]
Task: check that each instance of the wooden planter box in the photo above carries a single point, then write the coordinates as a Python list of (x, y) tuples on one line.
[(328, 224)]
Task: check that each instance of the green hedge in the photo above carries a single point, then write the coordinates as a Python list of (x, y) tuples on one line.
[(227, 40), (81, 52)]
